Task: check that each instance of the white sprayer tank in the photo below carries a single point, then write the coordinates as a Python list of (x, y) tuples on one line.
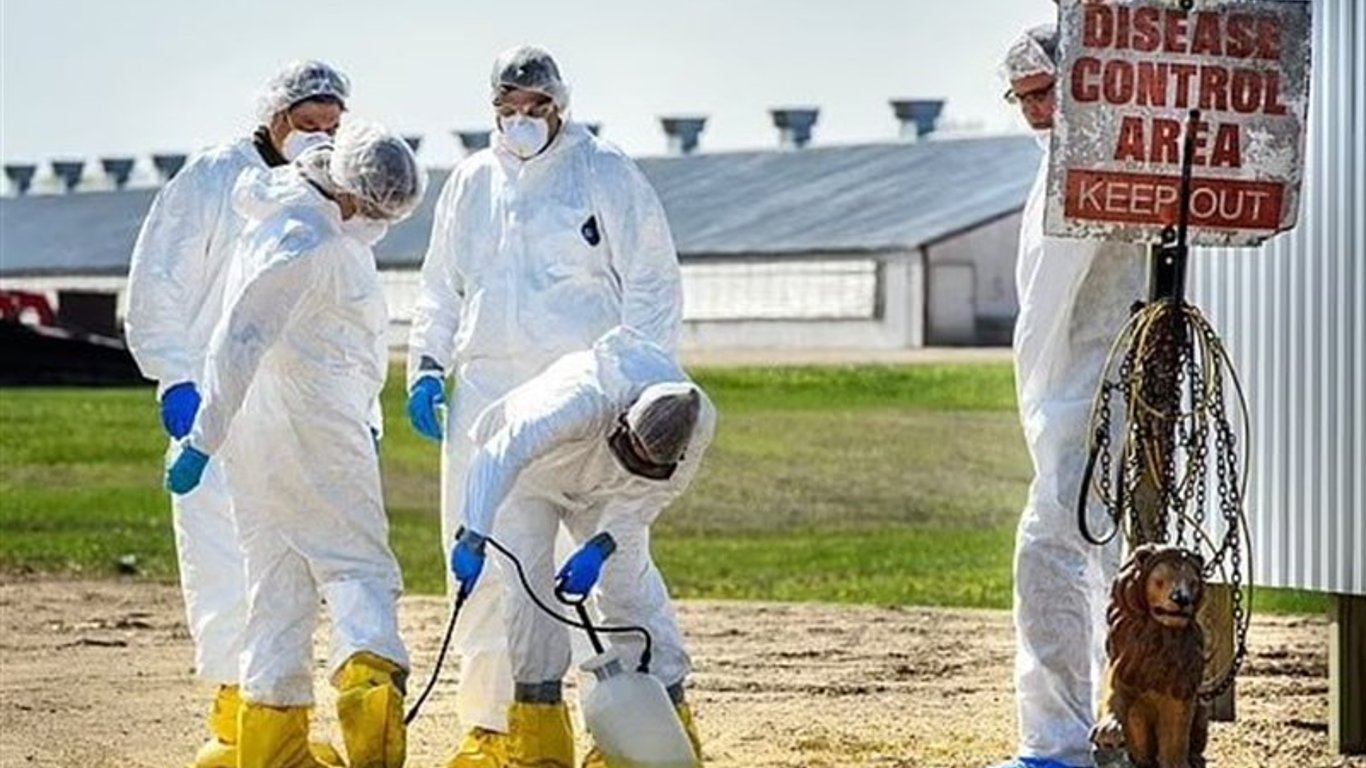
[(632, 720)]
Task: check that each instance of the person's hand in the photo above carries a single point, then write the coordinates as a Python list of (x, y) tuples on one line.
[(581, 572), (467, 560), (187, 470), (427, 393), (179, 404)]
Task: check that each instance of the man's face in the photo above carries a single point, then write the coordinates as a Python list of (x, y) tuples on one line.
[(315, 116), (1034, 94), (307, 117), (528, 104)]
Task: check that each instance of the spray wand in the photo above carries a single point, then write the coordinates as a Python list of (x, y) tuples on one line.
[(578, 602)]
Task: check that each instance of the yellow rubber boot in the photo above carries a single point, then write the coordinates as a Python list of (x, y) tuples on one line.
[(481, 748), (539, 736), (596, 760), (370, 708), (220, 751), (690, 727), (274, 737)]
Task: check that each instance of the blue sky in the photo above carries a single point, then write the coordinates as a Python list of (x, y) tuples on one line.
[(86, 78)]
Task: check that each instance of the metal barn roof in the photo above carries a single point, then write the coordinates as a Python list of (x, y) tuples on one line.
[(871, 197)]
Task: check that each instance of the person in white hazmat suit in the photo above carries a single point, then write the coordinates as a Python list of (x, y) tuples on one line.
[(175, 296), (601, 441), (1075, 296), (541, 244), (295, 367)]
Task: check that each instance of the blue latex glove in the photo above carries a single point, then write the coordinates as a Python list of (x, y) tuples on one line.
[(179, 404), (427, 393), (187, 470), (582, 570), (467, 560)]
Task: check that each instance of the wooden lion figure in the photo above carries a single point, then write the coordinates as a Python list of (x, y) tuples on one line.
[(1156, 664)]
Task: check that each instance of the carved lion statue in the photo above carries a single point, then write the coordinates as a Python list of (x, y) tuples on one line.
[(1156, 661)]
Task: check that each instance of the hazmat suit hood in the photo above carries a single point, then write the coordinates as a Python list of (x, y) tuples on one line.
[(624, 367), (261, 194)]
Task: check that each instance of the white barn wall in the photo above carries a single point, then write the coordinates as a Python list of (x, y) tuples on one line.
[(900, 324), (991, 249), (1293, 314)]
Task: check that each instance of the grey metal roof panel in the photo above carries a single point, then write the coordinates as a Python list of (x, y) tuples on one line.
[(841, 198), (85, 232), (94, 232), (874, 197)]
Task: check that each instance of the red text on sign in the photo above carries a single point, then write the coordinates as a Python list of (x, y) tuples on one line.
[(1209, 87), (1133, 198), (1204, 33), (1159, 141)]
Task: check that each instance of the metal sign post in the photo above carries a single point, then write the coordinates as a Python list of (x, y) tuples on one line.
[(1167, 269)]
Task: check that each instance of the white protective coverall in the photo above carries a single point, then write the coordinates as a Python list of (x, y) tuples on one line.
[(543, 458), (175, 298), (293, 372), (1075, 296), (530, 260)]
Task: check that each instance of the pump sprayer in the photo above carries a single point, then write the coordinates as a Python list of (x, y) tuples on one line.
[(628, 712)]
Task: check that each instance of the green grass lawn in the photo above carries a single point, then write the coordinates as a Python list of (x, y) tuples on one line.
[(870, 484)]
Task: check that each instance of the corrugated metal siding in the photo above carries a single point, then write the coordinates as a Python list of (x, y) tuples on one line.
[(1292, 315)]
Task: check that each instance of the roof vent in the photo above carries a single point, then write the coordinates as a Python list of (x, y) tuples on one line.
[(473, 141), (918, 117), (168, 165), (69, 171), (21, 176), (118, 169), (794, 125), (683, 133)]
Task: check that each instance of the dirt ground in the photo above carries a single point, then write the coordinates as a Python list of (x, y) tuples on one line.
[(97, 674)]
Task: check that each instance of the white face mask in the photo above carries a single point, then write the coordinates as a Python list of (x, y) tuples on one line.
[(524, 136), (299, 142), (365, 229)]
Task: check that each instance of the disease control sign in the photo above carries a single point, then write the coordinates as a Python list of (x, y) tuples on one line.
[(1130, 75)]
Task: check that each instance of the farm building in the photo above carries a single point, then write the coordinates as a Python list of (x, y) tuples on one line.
[(891, 245)]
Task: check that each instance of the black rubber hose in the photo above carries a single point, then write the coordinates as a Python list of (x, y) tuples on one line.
[(1083, 524), (440, 659), (645, 655)]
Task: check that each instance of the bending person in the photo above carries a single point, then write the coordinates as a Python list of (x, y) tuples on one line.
[(541, 244), (1075, 296), (602, 442), (175, 298), (295, 368)]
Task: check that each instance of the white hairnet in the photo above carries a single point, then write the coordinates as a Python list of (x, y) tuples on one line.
[(1032, 54), (378, 168), (663, 418), (528, 68), (301, 81)]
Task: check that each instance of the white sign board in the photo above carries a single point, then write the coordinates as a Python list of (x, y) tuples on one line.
[(1130, 72)]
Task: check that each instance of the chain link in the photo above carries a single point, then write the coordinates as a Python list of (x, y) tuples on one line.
[(1173, 413)]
